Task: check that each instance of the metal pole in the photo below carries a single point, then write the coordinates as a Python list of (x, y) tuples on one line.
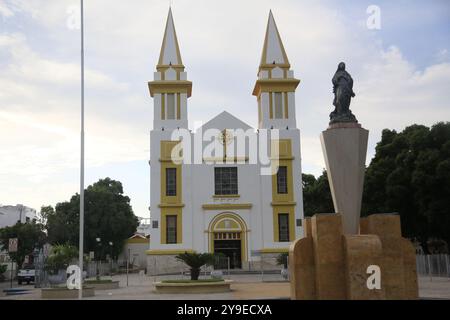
[(429, 268), (446, 265), (128, 261), (12, 267), (81, 244)]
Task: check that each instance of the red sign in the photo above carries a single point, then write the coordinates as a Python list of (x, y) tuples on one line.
[(13, 242)]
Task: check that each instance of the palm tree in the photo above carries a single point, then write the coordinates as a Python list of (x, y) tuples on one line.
[(195, 261)]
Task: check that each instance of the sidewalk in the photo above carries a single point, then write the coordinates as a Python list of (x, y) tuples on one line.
[(245, 287)]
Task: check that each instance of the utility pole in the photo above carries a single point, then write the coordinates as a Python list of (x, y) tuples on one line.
[(81, 244)]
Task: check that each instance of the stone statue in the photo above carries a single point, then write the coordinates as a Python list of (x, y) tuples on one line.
[(343, 93)]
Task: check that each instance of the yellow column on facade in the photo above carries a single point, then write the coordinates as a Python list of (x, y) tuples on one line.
[(283, 202), (171, 205)]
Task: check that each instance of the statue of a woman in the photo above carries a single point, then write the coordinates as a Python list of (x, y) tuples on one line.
[(343, 93)]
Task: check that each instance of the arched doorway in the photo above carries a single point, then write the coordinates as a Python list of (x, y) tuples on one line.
[(227, 236)]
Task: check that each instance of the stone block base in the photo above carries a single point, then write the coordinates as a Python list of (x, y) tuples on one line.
[(328, 264)]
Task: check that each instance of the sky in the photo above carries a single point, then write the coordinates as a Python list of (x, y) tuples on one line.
[(401, 75)]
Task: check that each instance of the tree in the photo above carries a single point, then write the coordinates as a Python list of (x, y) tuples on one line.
[(46, 212), (316, 194), (60, 257), (108, 216), (195, 261), (30, 235), (410, 174)]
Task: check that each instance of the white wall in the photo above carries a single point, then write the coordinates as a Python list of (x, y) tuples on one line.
[(10, 215)]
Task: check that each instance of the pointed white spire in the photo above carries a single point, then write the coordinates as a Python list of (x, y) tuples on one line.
[(273, 49), (170, 51)]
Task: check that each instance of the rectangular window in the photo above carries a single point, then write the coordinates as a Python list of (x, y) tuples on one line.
[(171, 229), (171, 181), (283, 227), (278, 105), (225, 180), (170, 106), (282, 180)]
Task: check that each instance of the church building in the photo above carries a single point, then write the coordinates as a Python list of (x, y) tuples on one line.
[(224, 203)]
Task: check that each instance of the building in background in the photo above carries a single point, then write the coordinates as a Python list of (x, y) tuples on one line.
[(216, 206), (136, 246), (10, 215)]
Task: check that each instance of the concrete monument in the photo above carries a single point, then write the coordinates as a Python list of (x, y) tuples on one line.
[(341, 257), (344, 145)]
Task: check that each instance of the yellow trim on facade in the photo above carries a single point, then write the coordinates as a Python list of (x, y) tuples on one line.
[(282, 158), (286, 106), (274, 250), (138, 240), (163, 68), (259, 110), (172, 86), (161, 55), (225, 159), (171, 205), (171, 212), (227, 206), (290, 210), (167, 252), (275, 85), (263, 63), (163, 106), (178, 106), (270, 105), (283, 202), (280, 204), (226, 196), (243, 229)]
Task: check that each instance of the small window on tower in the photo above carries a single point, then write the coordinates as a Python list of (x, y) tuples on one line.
[(282, 180), (171, 181), (170, 106), (283, 227), (278, 105), (171, 229)]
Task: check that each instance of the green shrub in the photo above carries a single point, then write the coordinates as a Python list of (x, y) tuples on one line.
[(195, 261), (3, 268), (282, 259), (60, 257)]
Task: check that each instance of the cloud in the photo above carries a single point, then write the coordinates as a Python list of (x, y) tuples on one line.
[(5, 11), (220, 47)]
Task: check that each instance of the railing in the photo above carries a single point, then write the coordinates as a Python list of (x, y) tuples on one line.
[(433, 265)]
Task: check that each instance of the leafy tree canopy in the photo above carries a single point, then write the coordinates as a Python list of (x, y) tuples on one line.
[(30, 235), (409, 175), (108, 216)]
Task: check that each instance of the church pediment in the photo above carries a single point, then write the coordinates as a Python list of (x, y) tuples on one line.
[(225, 120)]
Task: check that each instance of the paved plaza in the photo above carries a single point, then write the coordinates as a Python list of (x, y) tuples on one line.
[(244, 287)]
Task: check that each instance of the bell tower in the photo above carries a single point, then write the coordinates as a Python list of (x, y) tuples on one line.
[(170, 88), (276, 85)]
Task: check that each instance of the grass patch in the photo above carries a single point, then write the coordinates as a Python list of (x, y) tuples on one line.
[(192, 281)]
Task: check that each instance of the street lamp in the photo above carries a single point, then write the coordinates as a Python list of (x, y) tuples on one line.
[(111, 256), (98, 256)]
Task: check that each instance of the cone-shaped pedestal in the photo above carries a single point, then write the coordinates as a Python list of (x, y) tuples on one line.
[(344, 147)]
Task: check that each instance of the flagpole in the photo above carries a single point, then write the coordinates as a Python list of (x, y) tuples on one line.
[(81, 244)]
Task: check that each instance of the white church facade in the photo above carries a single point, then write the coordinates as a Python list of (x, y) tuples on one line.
[(223, 202)]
